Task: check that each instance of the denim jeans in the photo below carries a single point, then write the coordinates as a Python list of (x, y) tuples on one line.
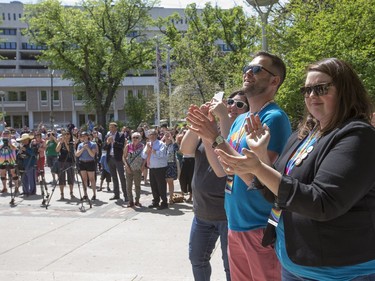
[(288, 276), (117, 167), (203, 237), (29, 181)]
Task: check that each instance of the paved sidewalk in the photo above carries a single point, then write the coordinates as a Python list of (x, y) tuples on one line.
[(105, 242)]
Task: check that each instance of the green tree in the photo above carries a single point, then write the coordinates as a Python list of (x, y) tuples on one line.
[(95, 44), (136, 108), (305, 31), (200, 66)]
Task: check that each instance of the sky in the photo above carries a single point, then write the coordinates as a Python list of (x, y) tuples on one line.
[(224, 4)]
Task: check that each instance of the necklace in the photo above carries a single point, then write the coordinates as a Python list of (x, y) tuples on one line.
[(263, 107), (242, 132)]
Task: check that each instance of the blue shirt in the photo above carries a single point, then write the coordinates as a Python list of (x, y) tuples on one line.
[(159, 159), (322, 273), (85, 156), (247, 209), (103, 162)]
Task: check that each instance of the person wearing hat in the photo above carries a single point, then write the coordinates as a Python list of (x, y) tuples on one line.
[(40, 144), (8, 153), (86, 152), (27, 155)]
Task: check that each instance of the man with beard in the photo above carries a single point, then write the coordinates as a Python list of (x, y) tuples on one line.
[(246, 209)]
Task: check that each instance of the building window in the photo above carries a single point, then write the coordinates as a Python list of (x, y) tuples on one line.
[(225, 47), (141, 94), (17, 121), (23, 96), (8, 31), (14, 17), (27, 46), (16, 96), (43, 95), (43, 98), (81, 119), (3, 16), (8, 45), (12, 96), (78, 97), (56, 95), (56, 98), (132, 34)]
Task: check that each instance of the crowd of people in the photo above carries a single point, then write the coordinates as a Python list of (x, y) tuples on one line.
[(122, 157), (285, 205)]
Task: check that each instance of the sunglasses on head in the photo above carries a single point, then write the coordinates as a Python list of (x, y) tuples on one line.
[(318, 90), (256, 69), (239, 104)]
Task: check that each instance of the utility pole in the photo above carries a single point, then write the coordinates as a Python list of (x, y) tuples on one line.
[(169, 85), (51, 117)]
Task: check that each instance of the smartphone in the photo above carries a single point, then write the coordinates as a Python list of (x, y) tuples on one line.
[(218, 96)]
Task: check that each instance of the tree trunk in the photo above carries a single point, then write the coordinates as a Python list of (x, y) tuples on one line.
[(102, 118)]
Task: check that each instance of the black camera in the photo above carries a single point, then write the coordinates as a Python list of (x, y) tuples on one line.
[(5, 142)]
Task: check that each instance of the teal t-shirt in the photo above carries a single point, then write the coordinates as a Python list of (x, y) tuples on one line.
[(51, 148), (321, 273), (247, 209)]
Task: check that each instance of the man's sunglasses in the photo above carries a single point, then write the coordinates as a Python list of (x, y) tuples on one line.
[(256, 69), (318, 90), (239, 104)]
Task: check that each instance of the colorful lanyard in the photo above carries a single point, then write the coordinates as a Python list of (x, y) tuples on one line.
[(302, 152), (295, 160)]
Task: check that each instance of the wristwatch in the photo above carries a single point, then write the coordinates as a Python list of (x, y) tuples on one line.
[(219, 140)]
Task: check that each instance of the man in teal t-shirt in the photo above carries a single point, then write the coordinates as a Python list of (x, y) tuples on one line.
[(247, 210)]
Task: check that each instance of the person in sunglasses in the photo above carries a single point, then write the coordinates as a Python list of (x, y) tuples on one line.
[(246, 208), (210, 221), (133, 168), (323, 183)]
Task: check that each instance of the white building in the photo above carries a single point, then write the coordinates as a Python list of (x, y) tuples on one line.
[(27, 85)]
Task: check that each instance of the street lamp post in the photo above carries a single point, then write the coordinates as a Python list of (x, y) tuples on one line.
[(169, 85), (256, 4), (158, 78), (2, 95), (51, 118)]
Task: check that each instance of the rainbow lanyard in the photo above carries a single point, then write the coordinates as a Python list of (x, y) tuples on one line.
[(295, 160), (302, 152), (240, 135)]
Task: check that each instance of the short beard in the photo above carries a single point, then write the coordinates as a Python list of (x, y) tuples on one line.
[(253, 91)]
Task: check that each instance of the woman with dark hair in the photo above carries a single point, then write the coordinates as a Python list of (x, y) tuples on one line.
[(323, 186)]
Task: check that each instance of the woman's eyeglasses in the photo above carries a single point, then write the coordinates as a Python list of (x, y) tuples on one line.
[(256, 69), (239, 104), (318, 90), (135, 138)]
